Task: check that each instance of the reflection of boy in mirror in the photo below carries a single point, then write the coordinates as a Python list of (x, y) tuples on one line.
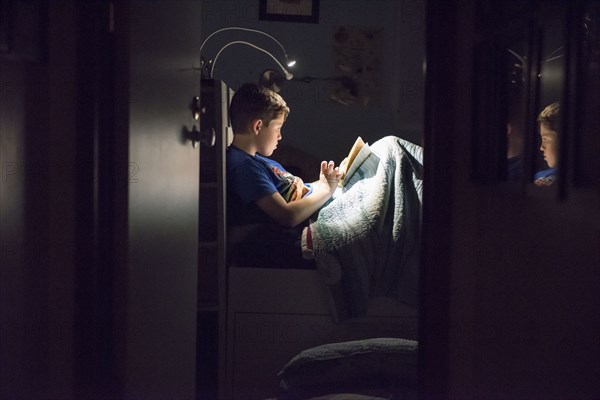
[(549, 120)]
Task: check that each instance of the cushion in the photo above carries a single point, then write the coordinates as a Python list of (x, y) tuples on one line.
[(369, 363)]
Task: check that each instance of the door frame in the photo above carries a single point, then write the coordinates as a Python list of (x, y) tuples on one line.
[(435, 274)]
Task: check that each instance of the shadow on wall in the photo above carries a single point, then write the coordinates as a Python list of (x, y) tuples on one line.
[(298, 162)]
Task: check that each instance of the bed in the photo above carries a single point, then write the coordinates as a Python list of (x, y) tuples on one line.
[(268, 315), (274, 314), (277, 312)]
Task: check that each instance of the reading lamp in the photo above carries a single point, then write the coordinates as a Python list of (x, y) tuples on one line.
[(210, 65), (207, 133)]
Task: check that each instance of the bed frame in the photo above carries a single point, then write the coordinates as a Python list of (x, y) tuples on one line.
[(273, 314), (268, 315)]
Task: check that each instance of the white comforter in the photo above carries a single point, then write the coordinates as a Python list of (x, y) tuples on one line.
[(366, 240)]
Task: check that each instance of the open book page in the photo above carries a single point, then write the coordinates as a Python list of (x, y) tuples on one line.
[(358, 144), (359, 152)]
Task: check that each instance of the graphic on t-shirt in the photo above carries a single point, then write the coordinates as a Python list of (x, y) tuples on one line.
[(287, 183)]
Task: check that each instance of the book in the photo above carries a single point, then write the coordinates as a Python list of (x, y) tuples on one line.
[(358, 153)]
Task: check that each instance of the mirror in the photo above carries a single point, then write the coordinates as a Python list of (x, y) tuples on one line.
[(551, 80)]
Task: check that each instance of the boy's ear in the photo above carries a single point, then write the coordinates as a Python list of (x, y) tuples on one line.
[(256, 126)]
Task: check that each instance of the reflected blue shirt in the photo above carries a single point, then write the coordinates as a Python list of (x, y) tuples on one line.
[(547, 173)]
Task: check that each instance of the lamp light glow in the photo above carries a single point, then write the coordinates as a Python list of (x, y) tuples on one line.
[(287, 73), (289, 61)]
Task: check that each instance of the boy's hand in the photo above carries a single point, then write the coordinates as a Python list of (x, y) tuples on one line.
[(330, 175)]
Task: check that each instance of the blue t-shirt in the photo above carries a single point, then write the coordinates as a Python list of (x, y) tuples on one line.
[(248, 179), (545, 177), (545, 173), (265, 244)]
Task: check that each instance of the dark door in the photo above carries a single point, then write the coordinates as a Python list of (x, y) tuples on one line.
[(98, 199), (510, 269), (37, 198), (157, 44)]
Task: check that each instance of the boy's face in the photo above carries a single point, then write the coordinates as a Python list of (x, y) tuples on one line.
[(549, 145), (269, 135)]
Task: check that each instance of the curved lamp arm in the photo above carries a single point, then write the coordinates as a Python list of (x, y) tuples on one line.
[(289, 61), (288, 75)]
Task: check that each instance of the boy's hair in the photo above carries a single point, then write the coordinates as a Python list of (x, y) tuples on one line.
[(252, 102), (550, 117)]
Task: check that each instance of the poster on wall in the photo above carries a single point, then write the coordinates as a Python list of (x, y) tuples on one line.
[(357, 58)]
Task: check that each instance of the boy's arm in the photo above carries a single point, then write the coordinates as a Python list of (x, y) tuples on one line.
[(293, 213)]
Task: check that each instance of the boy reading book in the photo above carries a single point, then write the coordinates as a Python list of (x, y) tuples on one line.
[(260, 189)]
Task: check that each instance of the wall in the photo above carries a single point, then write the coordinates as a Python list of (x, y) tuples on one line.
[(317, 126)]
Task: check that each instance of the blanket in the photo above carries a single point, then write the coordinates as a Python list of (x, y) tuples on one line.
[(366, 239)]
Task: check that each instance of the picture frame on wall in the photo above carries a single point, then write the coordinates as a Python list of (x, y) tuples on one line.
[(289, 10), (5, 26), (22, 27)]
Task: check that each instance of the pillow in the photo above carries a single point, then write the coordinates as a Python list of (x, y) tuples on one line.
[(369, 363)]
